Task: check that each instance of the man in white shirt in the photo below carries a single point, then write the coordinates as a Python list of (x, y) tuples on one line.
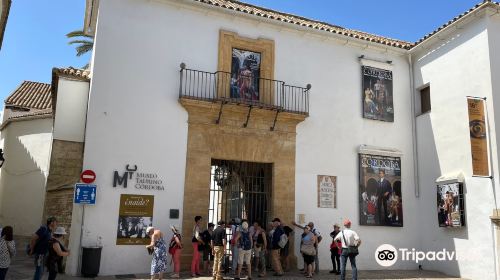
[(348, 238)]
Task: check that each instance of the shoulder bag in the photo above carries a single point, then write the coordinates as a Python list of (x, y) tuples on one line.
[(351, 250)]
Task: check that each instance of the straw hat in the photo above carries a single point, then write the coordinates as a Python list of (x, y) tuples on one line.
[(149, 229), (60, 231)]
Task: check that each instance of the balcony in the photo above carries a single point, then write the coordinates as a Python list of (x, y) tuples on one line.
[(254, 92)]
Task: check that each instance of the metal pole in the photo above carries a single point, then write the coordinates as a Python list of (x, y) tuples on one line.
[(80, 251)]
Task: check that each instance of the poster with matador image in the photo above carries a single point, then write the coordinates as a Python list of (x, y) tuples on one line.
[(380, 197), (136, 214), (377, 94)]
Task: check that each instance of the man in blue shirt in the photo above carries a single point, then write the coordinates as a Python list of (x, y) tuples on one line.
[(39, 245), (275, 247)]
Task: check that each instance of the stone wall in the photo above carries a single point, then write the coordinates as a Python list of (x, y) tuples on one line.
[(59, 204), (65, 167), (65, 164), (229, 140)]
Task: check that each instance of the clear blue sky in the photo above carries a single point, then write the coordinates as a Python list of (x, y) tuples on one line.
[(35, 39)]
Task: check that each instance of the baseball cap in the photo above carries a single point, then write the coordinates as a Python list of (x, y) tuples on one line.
[(347, 222)]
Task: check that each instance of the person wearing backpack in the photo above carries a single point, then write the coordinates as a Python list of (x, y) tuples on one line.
[(174, 249), (39, 245), (350, 243), (278, 241), (245, 244)]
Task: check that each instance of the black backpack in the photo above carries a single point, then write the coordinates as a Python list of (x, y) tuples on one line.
[(245, 242)]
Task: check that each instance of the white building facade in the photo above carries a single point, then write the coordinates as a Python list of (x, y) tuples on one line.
[(178, 127)]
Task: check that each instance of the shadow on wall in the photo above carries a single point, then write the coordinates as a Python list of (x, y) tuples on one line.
[(433, 237), (445, 46), (23, 176)]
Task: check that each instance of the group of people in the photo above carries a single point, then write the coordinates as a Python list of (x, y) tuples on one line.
[(46, 247), (251, 247)]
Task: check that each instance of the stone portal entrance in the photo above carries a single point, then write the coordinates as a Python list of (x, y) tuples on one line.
[(240, 190), (252, 147)]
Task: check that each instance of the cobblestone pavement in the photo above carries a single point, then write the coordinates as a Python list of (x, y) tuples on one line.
[(22, 269)]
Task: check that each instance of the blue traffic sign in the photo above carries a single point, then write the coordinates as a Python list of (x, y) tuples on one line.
[(85, 194)]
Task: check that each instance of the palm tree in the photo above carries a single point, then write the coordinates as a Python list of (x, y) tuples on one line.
[(84, 42)]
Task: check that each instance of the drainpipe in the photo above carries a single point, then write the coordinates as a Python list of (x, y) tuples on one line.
[(414, 128), (493, 184)]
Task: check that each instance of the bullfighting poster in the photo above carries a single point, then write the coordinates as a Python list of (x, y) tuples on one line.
[(450, 205), (380, 198), (377, 94), (136, 214)]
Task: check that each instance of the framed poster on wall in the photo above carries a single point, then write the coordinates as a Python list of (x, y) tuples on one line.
[(136, 214), (245, 74), (450, 205), (377, 94), (327, 191), (380, 197)]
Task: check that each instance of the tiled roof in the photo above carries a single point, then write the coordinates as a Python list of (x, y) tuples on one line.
[(18, 114), (72, 72), (485, 3), (31, 95), (314, 24), (301, 21)]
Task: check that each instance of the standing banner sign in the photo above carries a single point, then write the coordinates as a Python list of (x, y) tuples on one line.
[(327, 191), (136, 214), (380, 197), (478, 132)]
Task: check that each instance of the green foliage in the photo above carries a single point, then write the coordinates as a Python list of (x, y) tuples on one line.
[(83, 43)]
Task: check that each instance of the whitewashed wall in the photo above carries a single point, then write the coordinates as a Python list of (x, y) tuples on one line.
[(135, 118), (71, 108), (24, 173), (493, 43), (456, 67)]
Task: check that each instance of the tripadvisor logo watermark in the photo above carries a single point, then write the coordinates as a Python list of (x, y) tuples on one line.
[(387, 255)]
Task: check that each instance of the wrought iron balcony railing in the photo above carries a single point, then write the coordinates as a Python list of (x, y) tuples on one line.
[(243, 90)]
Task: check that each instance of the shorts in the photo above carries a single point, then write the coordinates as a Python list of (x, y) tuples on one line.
[(244, 256), (284, 252), (257, 250), (308, 259), (207, 255)]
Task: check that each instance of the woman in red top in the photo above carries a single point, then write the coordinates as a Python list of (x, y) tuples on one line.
[(335, 250)]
